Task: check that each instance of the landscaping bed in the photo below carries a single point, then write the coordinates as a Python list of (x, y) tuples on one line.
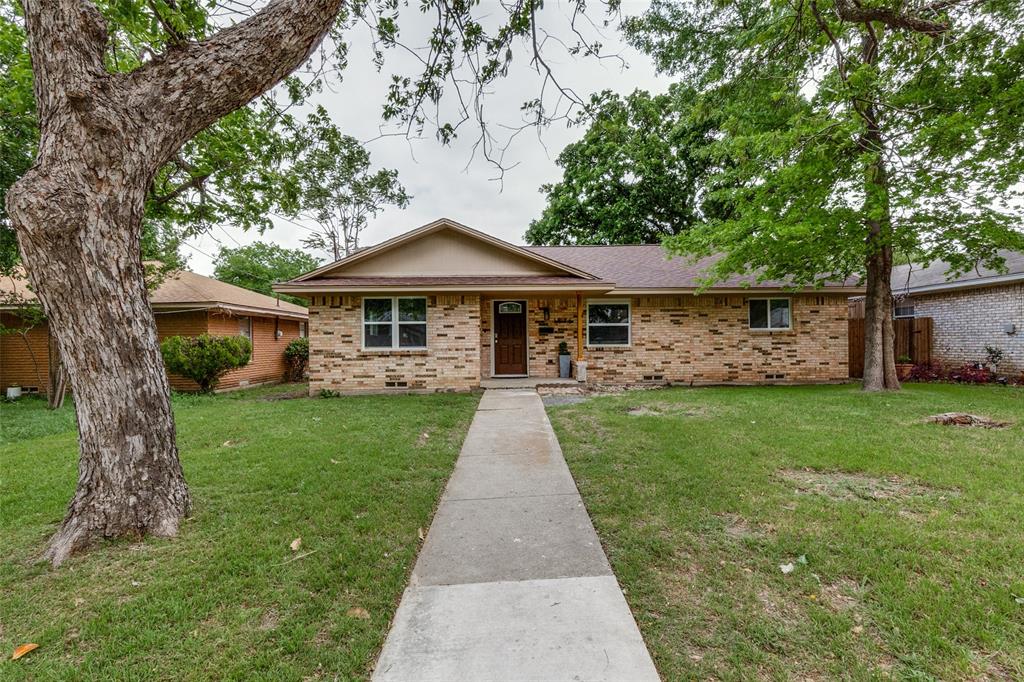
[(234, 596), (811, 532)]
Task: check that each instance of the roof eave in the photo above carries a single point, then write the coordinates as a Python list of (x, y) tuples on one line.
[(961, 284), (583, 285), (255, 311), (654, 291)]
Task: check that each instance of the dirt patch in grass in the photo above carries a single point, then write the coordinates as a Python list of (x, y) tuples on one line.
[(663, 410), (837, 485), (841, 595), (269, 620), (737, 527), (965, 419), (778, 608), (290, 395), (568, 394)]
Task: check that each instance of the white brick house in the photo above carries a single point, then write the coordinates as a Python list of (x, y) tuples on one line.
[(976, 310)]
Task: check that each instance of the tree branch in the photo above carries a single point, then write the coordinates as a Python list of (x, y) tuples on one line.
[(191, 86), (66, 40), (849, 10)]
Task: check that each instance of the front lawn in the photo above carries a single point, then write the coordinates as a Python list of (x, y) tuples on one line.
[(902, 541), (354, 478)]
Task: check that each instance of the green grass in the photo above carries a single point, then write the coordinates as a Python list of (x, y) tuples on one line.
[(699, 504), (355, 478)]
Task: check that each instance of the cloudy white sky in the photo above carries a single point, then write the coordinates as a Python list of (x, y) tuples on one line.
[(447, 181)]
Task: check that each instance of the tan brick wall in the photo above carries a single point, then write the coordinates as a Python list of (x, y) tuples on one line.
[(706, 339), (267, 363), (702, 339), (966, 321), (338, 362), (682, 339)]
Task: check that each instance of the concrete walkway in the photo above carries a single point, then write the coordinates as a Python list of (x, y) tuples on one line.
[(512, 583)]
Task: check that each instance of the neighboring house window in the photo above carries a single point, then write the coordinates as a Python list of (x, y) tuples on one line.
[(395, 322), (303, 332), (608, 323), (245, 327), (903, 309), (770, 313)]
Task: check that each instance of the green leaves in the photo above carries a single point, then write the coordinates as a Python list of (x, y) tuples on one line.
[(259, 265), (205, 359), (797, 92), (637, 175)]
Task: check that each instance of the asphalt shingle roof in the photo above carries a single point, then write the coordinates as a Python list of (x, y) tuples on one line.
[(647, 267), (907, 278)]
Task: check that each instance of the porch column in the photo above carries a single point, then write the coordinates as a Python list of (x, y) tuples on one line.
[(579, 326)]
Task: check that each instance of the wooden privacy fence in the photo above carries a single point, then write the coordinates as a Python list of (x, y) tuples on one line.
[(913, 339)]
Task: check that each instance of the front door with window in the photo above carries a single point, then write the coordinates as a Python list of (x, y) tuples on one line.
[(509, 338)]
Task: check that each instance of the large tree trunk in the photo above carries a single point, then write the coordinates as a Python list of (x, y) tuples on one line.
[(879, 333), (78, 217), (80, 236)]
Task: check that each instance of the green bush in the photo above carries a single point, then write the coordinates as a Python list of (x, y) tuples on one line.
[(205, 359), (296, 354)]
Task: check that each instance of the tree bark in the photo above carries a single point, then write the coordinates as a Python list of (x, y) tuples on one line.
[(78, 217), (879, 333), (57, 381)]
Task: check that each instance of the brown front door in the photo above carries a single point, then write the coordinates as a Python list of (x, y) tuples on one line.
[(509, 337)]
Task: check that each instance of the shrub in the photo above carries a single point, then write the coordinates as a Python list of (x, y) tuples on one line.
[(929, 371), (563, 348), (296, 355), (971, 374), (205, 359), (965, 374)]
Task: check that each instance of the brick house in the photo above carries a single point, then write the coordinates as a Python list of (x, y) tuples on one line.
[(978, 309), (445, 307), (184, 304)]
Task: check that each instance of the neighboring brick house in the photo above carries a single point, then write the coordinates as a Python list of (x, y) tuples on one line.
[(184, 304), (445, 307), (978, 309)]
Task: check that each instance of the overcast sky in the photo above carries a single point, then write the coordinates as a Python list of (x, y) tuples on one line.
[(436, 176)]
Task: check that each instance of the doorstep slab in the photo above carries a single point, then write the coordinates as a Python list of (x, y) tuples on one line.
[(508, 400), (567, 629), (518, 538)]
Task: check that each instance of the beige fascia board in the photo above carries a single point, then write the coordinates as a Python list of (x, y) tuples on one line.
[(510, 288)]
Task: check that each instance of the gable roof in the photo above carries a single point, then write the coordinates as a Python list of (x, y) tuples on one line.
[(914, 279), (606, 269), (434, 227), (182, 290)]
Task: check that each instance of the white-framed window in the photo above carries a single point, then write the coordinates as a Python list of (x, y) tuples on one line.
[(303, 330), (770, 314), (395, 322), (245, 327), (903, 308), (608, 323)]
